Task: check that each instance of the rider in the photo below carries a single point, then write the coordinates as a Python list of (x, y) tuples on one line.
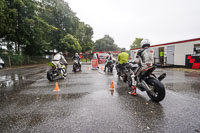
[(109, 57), (122, 59), (77, 57), (146, 54), (57, 59)]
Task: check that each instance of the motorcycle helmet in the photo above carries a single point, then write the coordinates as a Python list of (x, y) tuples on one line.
[(145, 42), (76, 54), (123, 50)]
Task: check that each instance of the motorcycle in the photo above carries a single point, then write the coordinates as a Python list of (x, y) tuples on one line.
[(110, 65), (147, 81), (125, 74), (76, 66), (55, 72)]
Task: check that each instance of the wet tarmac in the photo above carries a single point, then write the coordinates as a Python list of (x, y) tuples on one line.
[(85, 103)]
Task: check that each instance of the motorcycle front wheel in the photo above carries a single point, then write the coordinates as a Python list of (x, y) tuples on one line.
[(50, 75), (157, 92)]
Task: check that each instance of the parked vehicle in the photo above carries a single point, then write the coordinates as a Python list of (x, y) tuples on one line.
[(55, 72), (2, 64), (76, 66)]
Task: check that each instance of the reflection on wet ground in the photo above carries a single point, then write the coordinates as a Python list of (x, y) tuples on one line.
[(12, 82), (86, 104), (183, 82)]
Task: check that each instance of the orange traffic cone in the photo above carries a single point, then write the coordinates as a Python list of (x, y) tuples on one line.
[(112, 86), (56, 87), (88, 68)]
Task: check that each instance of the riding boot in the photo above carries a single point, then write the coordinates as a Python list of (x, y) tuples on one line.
[(133, 92)]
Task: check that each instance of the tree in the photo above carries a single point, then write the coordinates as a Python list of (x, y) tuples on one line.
[(136, 43), (27, 25), (59, 14), (70, 44), (106, 44), (84, 35)]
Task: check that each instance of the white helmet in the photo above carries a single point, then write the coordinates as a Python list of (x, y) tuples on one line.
[(76, 54), (145, 42)]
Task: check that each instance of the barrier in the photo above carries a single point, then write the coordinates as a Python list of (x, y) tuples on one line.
[(95, 64)]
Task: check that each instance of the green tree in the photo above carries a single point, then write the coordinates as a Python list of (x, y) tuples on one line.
[(59, 14), (136, 43), (70, 44), (84, 35), (34, 26), (106, 44)]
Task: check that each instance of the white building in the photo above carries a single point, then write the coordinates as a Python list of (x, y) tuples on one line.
[(175, 52)]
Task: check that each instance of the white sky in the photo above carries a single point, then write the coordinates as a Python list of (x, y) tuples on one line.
[(160, 21)]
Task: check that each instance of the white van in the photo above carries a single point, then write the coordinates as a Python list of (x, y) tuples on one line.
[(1, 63)]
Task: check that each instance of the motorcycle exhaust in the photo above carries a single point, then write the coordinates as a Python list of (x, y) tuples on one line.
[(161, 77)]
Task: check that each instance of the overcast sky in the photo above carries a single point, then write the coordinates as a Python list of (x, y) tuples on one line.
[(160, 21)]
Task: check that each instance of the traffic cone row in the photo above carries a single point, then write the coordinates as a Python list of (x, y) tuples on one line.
[(56, 88)]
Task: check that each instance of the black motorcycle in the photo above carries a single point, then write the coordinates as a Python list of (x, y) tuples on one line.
[(54, 72), (147, 81), (110, 65), (76, 66), (125, 74)]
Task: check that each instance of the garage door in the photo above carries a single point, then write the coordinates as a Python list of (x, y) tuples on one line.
[(170, 54)]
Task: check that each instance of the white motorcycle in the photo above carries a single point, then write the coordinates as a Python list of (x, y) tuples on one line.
[(55, 72)]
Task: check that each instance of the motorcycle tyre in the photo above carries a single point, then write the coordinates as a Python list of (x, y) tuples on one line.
[(111, 69), (74, 68), (124, 78), (50, 75), (158, 87)]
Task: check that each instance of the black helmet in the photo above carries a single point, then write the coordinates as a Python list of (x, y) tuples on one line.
[(123, 49)]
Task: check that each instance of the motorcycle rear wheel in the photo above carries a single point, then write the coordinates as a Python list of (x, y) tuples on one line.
[(158, 90), (50, 75), (124, 77), (111, 69), (74, 68)]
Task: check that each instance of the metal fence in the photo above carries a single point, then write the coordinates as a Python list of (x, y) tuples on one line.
[(18, 60)]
